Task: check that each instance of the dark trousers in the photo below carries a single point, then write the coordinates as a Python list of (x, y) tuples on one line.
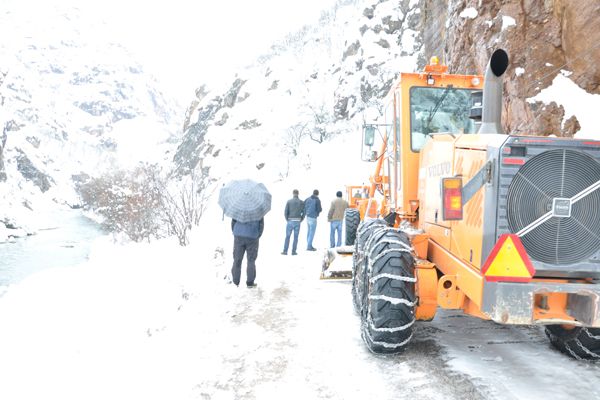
[(249, 246), (292, 226)]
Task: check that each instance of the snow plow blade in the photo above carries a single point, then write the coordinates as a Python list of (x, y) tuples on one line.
[(337, 263)]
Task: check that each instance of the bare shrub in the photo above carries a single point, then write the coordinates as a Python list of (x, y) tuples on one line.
[(183, 203), (294, 136), (320, 130), (143, 204)]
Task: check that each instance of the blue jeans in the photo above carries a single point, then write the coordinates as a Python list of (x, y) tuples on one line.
[(336, 226), (312, 227), (295, 227)]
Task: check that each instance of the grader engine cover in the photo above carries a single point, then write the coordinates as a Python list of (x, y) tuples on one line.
[(545, 190), (548, 193)]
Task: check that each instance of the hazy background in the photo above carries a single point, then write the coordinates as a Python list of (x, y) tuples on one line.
[(186, 43)]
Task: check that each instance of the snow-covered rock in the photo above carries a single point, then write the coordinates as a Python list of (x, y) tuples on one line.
[(71, 103)]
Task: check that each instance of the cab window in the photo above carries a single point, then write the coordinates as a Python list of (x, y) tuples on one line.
[(438, 110)]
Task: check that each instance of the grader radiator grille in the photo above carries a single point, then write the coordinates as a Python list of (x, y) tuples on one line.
[(549, 182)]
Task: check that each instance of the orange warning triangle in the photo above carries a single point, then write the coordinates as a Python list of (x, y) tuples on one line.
[(508, 261)]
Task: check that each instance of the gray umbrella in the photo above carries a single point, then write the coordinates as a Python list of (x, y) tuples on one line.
[(245, 200)]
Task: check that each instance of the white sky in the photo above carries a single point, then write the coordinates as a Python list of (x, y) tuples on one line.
[(184, 42), (187, 42)]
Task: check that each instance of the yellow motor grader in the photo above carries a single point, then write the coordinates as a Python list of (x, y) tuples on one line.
[(460, 215)]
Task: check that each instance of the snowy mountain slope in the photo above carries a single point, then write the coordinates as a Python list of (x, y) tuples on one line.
[(314, 86), (72, 104)]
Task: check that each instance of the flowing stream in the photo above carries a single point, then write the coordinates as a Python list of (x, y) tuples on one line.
[(65, 242)]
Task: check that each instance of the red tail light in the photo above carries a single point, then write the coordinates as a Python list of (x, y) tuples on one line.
[(452, 209)]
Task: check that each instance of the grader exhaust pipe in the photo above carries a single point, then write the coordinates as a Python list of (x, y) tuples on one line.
[(492, 93)]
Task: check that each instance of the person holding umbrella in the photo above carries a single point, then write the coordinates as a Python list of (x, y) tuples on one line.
[(246, 236), (246, 202)]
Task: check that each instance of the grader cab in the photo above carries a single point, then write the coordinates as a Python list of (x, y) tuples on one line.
[(460, 215)]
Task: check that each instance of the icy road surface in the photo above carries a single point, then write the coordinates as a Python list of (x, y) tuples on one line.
[(313, 336), (160, 322)]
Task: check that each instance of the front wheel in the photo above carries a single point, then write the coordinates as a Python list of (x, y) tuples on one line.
[(577, 342), (351, 220), (360, 260), (388, 310)]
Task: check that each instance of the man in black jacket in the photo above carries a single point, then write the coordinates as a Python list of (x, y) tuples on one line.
[(294, 214), (245, 240)]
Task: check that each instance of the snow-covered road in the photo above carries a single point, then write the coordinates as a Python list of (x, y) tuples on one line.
[(318, 353), (157, 321)]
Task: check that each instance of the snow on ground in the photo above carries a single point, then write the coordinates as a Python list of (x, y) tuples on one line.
[(12, 197), (160, 321)]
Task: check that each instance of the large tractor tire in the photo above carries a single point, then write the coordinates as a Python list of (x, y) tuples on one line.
[(387, 314), (578, 342), (359, 260), (351, 222)]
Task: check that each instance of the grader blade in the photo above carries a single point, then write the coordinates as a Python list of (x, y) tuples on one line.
[(337, 263)]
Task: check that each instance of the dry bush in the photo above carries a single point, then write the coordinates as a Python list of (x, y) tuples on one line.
[(294, 135), (128, 201), (143, 204), (182, 204)]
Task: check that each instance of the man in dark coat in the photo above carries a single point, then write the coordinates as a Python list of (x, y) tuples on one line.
[(312, 209), (294, 214), (245, 240)]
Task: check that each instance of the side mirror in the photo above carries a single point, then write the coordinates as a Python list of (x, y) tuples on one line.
[(476, 110), (369, 135)]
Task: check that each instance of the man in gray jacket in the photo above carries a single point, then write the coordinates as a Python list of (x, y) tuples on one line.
[(294, 214)]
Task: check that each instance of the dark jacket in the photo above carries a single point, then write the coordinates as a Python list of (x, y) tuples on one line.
[(294, 209), (312, 206), (252, 230)]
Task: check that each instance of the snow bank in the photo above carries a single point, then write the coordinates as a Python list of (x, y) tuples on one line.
[(575, 101), (4, 233), (64, 328)]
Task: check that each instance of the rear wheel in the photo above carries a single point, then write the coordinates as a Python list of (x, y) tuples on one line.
[(351, 220), (578, 342), (387, 313)]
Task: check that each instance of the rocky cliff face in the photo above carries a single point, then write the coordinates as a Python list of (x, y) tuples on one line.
[(542, 37)]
